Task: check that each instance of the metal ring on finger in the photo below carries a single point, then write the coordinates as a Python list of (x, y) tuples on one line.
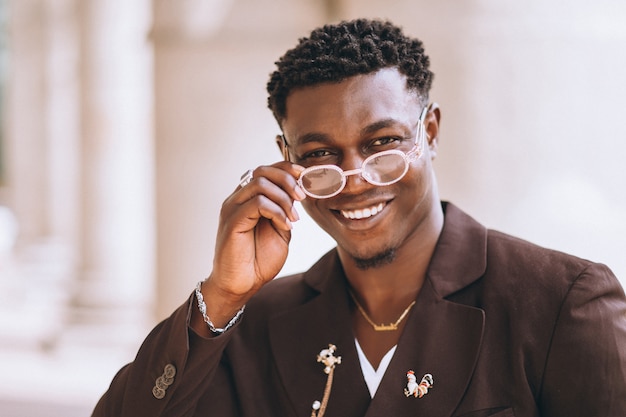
[(246, 178)]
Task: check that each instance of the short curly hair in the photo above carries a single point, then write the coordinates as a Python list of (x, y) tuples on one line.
[(335, 52)]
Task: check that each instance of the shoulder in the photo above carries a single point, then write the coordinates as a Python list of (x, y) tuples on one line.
[(526, 256), (515, 275), (517, 259), (471, 257), (525, 277)]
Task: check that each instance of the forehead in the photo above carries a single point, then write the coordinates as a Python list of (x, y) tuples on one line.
[(352, 104)]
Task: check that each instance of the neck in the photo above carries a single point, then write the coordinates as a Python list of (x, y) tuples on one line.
[(385, 292), (399, 281)]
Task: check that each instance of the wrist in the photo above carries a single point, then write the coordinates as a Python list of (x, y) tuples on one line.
[(221, 324)]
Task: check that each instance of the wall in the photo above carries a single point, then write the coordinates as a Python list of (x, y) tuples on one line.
[(531, 95)]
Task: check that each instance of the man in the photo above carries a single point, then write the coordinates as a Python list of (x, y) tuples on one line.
[(419, 310)]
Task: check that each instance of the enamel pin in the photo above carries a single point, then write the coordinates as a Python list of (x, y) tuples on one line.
[(415, 389), (329, 360)]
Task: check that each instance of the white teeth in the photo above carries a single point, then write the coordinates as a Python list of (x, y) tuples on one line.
[(363, 213)]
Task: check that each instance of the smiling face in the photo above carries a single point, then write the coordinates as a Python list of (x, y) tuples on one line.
[(344, 123)]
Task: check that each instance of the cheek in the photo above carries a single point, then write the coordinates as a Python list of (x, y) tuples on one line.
[(310, 205), (415, 177), (419, 181)]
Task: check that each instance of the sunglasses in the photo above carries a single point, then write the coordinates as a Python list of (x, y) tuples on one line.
[(380, 169)]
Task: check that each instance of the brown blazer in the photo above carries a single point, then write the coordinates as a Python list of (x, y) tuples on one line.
[(505, 327)]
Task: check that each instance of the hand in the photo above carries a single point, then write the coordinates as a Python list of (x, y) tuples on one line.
[(252, 239)]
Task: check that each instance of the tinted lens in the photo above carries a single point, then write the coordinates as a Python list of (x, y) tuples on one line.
[(322, 181), (385, 169)]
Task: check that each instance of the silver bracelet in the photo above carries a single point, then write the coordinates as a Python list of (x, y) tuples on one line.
[(207, 320)]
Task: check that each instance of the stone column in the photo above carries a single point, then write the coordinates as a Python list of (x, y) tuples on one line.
[(41, 137), (117, 277), (62, 125), (181, 29), (24, 119)]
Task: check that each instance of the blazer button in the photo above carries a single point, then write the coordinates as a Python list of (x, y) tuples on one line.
[(169, 371), (163, 382), (158, 393), (160, 383)]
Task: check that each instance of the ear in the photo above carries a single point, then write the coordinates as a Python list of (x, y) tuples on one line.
[(433, 119), (283, 146)]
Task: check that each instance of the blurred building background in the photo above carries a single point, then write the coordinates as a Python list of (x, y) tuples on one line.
[(124, 124)]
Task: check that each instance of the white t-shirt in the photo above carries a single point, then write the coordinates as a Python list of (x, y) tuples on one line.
[(373, 376)]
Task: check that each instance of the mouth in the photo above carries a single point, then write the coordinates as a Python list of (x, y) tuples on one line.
[(364, 213)]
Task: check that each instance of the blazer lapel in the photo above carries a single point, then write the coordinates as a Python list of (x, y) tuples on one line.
[(298, 336), (442, 337)]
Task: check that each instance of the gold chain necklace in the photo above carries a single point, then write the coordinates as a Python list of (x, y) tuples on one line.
[(382, 327)]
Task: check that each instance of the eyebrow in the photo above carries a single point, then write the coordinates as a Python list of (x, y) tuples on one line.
[(378, 125), (367, 130), (313, 137)]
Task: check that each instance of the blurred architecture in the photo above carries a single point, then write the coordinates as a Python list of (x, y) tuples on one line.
[(124, 124)]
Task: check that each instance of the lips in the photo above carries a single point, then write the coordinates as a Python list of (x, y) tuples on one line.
[(363, 213)]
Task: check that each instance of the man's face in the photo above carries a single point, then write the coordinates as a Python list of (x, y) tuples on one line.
[(344, 123)]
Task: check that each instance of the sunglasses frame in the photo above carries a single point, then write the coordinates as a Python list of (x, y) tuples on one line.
[(412, 155)]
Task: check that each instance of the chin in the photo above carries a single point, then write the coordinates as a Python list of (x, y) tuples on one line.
[(371, 262)]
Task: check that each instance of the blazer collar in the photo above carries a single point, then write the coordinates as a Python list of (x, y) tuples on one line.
[(460, 257), (297, 336), (441, 337)]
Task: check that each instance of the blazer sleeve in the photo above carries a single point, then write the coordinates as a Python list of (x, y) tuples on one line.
[(170, 373), (585, 373)]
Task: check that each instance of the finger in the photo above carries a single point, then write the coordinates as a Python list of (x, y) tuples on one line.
[(278, 185), (276, 214), (244, 217), (264, 187), (283, 174)]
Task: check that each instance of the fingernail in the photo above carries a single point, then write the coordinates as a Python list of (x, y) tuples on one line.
[(299, 193), (294, 213)]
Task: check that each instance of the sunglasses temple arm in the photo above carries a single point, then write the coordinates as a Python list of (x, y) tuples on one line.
[(285, 148)]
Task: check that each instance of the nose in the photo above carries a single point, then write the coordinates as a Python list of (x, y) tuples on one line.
[(352, 168)]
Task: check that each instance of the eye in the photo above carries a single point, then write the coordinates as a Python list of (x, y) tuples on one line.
[(386, 141), (316, 155)]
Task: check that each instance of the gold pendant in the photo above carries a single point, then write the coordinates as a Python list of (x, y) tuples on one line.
[(385, 327)]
